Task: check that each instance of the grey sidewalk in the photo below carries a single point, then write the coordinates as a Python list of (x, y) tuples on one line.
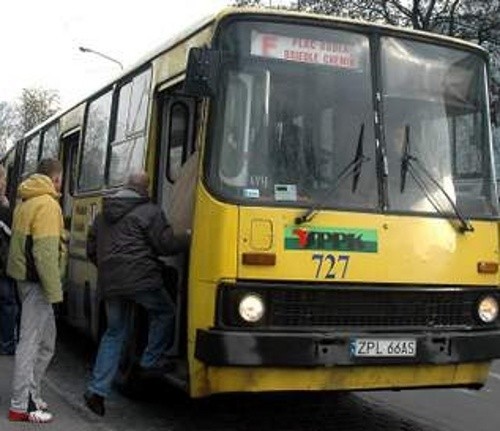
[(67, 415)]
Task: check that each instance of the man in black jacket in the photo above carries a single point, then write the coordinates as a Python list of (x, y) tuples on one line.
[(124, 243)]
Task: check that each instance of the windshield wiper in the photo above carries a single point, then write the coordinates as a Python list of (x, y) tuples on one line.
[(405, 161), (359, 156), (354, 167), (409, 162)]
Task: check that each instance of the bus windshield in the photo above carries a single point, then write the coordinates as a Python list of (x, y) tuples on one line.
[(435, 111), (294, 123)]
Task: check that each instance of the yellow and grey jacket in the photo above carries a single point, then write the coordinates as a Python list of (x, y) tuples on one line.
[(37, 251)]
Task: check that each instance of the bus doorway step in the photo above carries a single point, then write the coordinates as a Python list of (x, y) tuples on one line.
[(178, 376)]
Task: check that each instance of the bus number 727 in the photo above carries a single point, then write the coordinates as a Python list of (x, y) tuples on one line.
[(330, 266)]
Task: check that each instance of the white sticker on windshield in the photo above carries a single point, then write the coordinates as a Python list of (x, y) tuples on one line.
[(285, 192), (251, 193)]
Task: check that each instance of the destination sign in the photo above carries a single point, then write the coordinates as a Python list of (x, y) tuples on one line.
[(327, 53)]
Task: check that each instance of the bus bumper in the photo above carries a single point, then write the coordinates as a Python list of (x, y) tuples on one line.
[(243, 348)]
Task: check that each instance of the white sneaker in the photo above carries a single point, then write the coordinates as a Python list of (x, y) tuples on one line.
[(41, 405), (40, 417)]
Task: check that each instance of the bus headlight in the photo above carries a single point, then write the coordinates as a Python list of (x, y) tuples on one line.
[(251, 308), (487, 309)]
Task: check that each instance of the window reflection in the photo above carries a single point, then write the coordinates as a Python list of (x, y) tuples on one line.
[(127, 150), (288, 125), (295, 112), (31, 155), (125, 158), (94, 147), (178, 138), (122, 114), (50, 147), (438, 95)]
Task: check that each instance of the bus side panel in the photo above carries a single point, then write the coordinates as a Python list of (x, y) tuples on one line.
[(83, 310)]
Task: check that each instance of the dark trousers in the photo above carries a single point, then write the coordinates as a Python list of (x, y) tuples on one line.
[(9, 310), (161, 313)]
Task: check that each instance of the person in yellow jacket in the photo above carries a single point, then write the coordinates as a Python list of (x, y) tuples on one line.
[(36, 256)]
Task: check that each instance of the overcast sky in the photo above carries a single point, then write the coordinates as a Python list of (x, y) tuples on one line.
[(39, 39)]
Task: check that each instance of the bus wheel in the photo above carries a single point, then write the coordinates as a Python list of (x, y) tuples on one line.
[(127, 380)]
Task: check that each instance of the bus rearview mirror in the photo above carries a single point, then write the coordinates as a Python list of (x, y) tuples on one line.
[(202, 72)]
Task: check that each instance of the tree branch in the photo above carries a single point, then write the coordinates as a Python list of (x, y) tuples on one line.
[(428, 14)]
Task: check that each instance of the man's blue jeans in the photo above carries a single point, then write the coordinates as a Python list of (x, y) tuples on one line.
[(8, 316), (161, 321)]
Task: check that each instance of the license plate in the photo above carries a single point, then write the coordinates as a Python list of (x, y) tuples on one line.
[(391, 348)]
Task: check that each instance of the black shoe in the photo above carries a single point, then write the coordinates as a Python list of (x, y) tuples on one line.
[(94, 402), (157, 371)]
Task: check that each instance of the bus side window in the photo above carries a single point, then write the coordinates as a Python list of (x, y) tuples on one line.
[(177, 139), (31, 151), (95, 144), (130, 125), (70, 159), (50, 143), (180, 120), (176, 183)]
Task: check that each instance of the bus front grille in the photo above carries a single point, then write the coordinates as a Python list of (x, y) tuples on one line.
[(365, 308), (408, 307)]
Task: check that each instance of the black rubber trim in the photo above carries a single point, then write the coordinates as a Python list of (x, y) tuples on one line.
[(245, 348)]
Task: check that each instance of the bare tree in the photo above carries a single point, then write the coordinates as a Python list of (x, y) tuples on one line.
[(477, 19), (35, 106), (418, 14), (243, 3), (8, 126)]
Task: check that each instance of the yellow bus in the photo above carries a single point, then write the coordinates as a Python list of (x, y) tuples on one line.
[(338, 180)]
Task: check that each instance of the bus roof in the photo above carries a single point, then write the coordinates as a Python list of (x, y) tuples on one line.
[(342, 20), (217, 17)]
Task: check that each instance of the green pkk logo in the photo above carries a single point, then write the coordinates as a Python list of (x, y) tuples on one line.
[(331, 239)]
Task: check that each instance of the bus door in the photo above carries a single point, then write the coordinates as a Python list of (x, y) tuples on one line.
[(74, 223), (176, 181), (69, 157)]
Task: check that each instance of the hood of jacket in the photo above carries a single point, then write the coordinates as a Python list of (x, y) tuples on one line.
[(37, 185), (115, 207)]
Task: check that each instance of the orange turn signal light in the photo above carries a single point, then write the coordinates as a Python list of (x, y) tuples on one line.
[(260, 259), (487, 267)]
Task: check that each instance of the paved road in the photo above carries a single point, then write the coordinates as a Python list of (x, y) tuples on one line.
[(448, 410), (69, 418), (164, 409)]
